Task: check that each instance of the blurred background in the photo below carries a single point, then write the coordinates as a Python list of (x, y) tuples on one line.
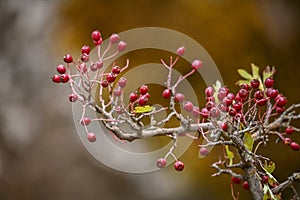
[(41, 156)]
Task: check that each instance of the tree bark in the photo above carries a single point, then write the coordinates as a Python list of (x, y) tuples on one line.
[(256, 189)]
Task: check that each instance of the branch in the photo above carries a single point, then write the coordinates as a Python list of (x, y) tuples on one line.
[(288, 183)]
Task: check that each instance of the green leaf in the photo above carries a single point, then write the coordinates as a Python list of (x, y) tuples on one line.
[(143, 109), (255, 71), (229, 154), (241, 82), (245, 74), (248, 141), (269, 167)]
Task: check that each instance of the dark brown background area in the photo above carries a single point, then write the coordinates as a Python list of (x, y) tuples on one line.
[(41, 156)]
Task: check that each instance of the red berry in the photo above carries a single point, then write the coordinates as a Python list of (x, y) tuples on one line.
[(114, 38), (99, 64), (85, 121), (204, 113), (116, 70), (85, 50), (166, 93), (243, 93), (238, 98), (196, 64), (188, 106), (269, 82), (226, 101), (85, 57), (143, 89), (64, 78), (287, 141), (104, 83), (279, 110), (93, 67), (238, 106), (280, 102), (99, 42), (147, 95), (209, 105), (161, 163), (91, 137), (255, 83), (73, 97), (245, 86), (232, 112), (222, 94), (261, 102), (274, 94), (61, 69), (246, 185), (117, 92), (96, 35), (179, 97), (203, 151), (68, 58), (214, 112), (122, 82), (133, 97), (196, 111), (178, 165), (143, 100), (294, 146), (122, 45), (56, 78), (289, 130), (259, 95), (223, 108), (83, 68), (224, 126), (110, 77), (180, 51), (209, 91), (265, 179), (231, 96), (236, 180)]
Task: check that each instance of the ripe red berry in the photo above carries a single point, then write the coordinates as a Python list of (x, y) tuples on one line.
[(294, 146), (209, 91), (85, 121), (133, 97), (274, 94), (188, 106), (261, 102), (214, 112), (64, 78), (91, 137), (265, 179), (116, 70), (226, 101), (73, 97), (246, 185), (280, 102), (179, 97), (287, 141), (85, 57), (238, 106), (114, 38), (104, 83), (61, 69), (231, 96), (96, 35), (238, 98), (222, 94), (143, 89), (259, 95), (111, 77), (204, 113), (223, 108), (289, 130), (243, 93), (209, 105), (203, 151), (180, 51), (56, 78), (122, 82), (232, 112), (68, 58), (224, 126), (85, 50), (245, 86), (236, 180), (161, 163), (255, 83), (196, 64), (122, 45), (143, 100), (166, 93), (178, 165), (279, 110), (269, 82)]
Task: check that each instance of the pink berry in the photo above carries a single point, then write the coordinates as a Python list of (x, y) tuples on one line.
[(61, 69), (122, 45), (99, 64), (181, 51), (178, 165), (204, 113), (287, 141), (209, 105), (117, 92), (196, 64), (196, 111), (236, 180), (68, 58), (83, 68), (114, 38), (179, 97), (255, 83), (269, 82), (214, 112), (231, 96), (143, 100), (111, 77), (280, 102), (85, 50), (64, 78), (122, 82), (166, 93), (294, 146), (209, 91), (246, 185), (222, 94), (116, 70), (161, 163), (223, 108), (85, 121), (143, 89), (188, 106), (203, 151), (104, 83), (93, 67), (85, 57), (56, 78), (289, 130), (96, 35), (133, 97), (91, 137), (73, 97)]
